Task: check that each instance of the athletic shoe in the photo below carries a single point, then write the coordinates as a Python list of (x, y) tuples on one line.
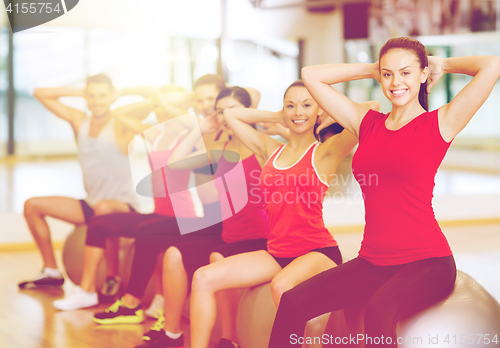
[(42, 281), (156, 305), (164, 341), (225, 343), (77, 300), (156, 330), (110, 289), (118, 313)]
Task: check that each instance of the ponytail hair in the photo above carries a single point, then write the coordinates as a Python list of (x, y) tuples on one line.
[(415, 46), (316, 135), (423, 96)]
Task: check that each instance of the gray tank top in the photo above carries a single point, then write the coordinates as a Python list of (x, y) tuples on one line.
[(106, 170)]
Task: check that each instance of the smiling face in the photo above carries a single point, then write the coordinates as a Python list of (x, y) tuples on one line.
[(99, 98), (300, 110), (223, 104), (401, 76), (204, 102)]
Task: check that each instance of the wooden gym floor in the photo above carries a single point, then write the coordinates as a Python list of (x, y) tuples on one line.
[(28, 320)]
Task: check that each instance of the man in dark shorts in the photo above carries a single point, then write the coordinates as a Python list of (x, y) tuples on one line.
[(103, 155)]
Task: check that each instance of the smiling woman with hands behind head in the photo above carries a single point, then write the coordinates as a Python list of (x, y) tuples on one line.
[(299, 246), (405, 263)]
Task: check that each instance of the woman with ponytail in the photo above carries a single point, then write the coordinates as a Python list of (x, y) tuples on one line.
[(405, 263), (293, 182)]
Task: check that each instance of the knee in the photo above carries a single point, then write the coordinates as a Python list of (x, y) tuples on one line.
[(379, 310), (172, 258), (32, 207), (291, 302), (102, 208), (202, 280), (97, 230), (279, 286), (214, 257)]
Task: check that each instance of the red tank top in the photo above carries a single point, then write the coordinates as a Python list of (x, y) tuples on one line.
[(294, 198), (242, 206), (396, 171), (170, 185)]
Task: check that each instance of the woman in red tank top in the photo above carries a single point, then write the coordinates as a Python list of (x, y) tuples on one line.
[(244, 221), (293, 183), (405, 263)]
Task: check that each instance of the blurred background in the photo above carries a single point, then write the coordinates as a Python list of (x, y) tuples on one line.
[(261, 44)]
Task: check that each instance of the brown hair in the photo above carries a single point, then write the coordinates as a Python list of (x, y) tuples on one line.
[(298, 83), (210, 79), (100, 78), (408, 44), (331, 130), (238, 93)]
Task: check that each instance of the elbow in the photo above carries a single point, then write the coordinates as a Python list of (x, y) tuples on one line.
[(495, 64), (38, 93), (43, 93), (311, 75), (305, 73), (255, 96)]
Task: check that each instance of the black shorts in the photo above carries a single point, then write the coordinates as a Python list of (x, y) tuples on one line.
[(332, 253), (88, 211), (196, 254), (244, 246)]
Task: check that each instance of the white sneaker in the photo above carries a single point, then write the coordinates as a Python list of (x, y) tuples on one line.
[(156, 307), (77, 300)]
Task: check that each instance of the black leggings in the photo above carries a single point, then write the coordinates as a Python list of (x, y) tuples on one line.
[(155, 238), (118, 225), (154, 234), (390, 293)]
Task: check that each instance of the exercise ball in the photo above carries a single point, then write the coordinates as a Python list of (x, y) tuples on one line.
[(255, 319), (315, 329), (72, 256), (468, 316)]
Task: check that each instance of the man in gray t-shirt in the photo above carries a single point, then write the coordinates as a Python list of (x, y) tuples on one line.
[(103, 155)]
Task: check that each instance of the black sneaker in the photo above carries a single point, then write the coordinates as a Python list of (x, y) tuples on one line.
[(42, 281), (110, 289), (156, 330), (164, 341), (225, 343), (118, 313)]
